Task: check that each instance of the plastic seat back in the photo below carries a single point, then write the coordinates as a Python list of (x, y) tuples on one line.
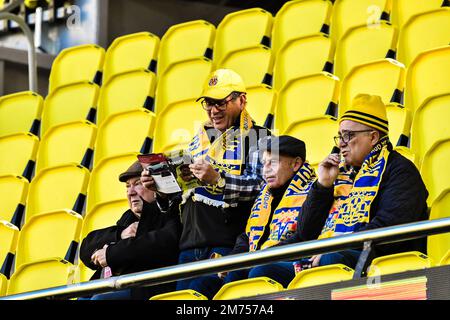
[(403, 10), (399, 119), (261, 101), (399, 262), (180, 295), (13, 196), (321, 275), (439, 244), (9, 236), (247, 287)]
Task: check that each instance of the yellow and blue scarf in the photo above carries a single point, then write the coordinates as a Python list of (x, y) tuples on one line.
[(284, 220), (353, 199)]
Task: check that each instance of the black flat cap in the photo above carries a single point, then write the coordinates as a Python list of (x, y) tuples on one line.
[(134, 171), (286, 146)]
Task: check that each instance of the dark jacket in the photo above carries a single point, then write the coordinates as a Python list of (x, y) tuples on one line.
[(155, 245), (401, 199)]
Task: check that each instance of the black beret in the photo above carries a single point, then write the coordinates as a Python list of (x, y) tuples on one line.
[(134, 171), (286, 146)]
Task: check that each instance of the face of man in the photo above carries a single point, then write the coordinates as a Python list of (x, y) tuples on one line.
[(224, 119), (278, 170), (357, 141), (135, 193)]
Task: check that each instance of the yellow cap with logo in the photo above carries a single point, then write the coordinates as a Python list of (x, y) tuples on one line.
[(221, 83)]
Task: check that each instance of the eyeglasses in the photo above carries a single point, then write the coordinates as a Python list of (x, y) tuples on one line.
[(347, 136), (220, 105)]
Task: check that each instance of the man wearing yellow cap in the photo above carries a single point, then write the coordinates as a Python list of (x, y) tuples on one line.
[(366, 186), (227, 160)]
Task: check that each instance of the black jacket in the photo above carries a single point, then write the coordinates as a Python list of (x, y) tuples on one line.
[(155, 245), (401, 199)]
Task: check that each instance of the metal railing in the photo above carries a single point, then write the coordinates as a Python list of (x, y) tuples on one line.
[(240, 261)]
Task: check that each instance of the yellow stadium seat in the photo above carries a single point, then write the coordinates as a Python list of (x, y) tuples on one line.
[(385, 78), (49, 235), (403, 10), (70, 103), (261, 101), (230, 37), (427, 76), (399, 119), (408, 154), (445, 259), (174, 131), (13, 196), (131, 52), (186, 41), (248, 287), (301, 57), (74, 64), (314, 16), (182, 81), (104, 185), (3, 285), (83, 273), (439, 244), (9, 235), (302, 98), (319, 145), (351, 13), (364, 44), (20, 112), (57, 188), (126, 91), (399, 262), (18, 154), (180, 295), (41, 275), (423, 32), (70, 143), (434, 169), (321, 275), (430, 124), (254, 64), (129, 131)]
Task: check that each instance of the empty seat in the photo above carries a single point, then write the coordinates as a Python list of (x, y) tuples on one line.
[(403, 10), (83, 273), (301, 57), (439, 244), (261, 101), (351, 13), (321, 275), (70, 103), (13, 196), (130, 52), (254, 65), (384, 78), (247, 287), (130, 131), (49, 235), (230, 37), (79, 63), (314, 16), (9, 235), (302, 98), (18, 154), (445, 259), (41, 275), (70, 143), (182, 81), (57, 188), (126, 91), (174, 132), (180, 295), (364, 44), (399, 262), (20, 112), (3, 285), (408, 154), (424, 32), (427, 76), (399, 119), (186, 41)]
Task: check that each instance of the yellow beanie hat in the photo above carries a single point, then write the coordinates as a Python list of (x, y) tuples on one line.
[(368, 110)]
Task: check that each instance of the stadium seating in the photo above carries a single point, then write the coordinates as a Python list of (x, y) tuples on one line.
[(185, 41), (3, 285), (13, 195), (399, 119), (180, 295), (399, 262), (131, 52), (445, 259), (9, 235), (321, 275), (71, 143), (83, 273), (408, 154), (79, 63), (314, 16), (439, 244), (20, 112), (422, 32), (261, 101), (248, 287), (403, 10)]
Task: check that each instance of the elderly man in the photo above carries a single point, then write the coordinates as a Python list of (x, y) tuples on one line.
[(226, 156), (144, 238), (274, 214), (371, 187)]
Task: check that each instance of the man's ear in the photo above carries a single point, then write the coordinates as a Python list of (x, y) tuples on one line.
[(298, 162), (243, 98), (375, 137)]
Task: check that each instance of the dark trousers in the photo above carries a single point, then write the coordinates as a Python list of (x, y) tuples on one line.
[(347, 257)]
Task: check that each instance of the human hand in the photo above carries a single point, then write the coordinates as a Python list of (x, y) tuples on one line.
[(329, 170), (99, 257), (204, 172), (315, 260), (147, 180), (222, 275), (130, 231)]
